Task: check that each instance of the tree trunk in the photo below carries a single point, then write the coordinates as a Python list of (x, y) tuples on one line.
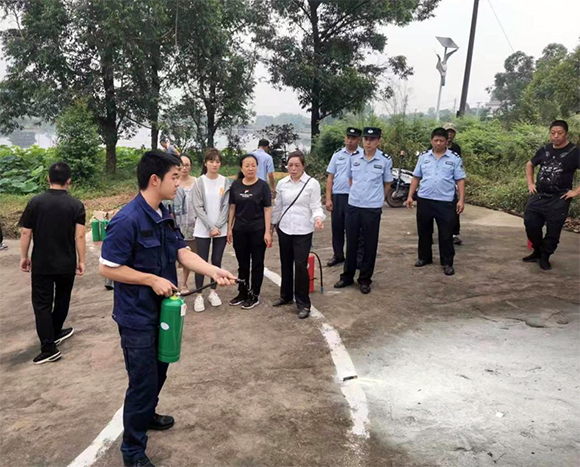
[(210, 111), (316, 88), (109, 123), (314, 122), (155, 92)]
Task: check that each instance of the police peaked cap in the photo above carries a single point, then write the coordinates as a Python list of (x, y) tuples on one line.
[(352, 131), (372, 131)]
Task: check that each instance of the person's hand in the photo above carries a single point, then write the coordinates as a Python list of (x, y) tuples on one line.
[(230, 237), (460, 206), (569, 195), (162, 286), (25, 264), (532, 188), (223, 277), (318, 225), (409, 202), (268, 239), (215, 232), (80, 269), (329, 205)]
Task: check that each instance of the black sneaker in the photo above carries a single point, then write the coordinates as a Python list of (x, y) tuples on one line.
[(251, 302), (161, 422), (143, 462), (534, 257), (545, 262), (64, 334), (238, 299), (47, 357)]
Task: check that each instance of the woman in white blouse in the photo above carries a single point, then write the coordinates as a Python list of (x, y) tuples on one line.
[(297, 213)]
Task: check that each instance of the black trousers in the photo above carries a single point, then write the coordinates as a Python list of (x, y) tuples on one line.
[(294, 250), (443, 213), (50, 300), (250, 252), (339, 206), (548, 210), (146, 377), (217, 254), (365, 222)]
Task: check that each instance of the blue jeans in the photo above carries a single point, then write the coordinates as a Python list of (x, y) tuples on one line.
[(146, 378)]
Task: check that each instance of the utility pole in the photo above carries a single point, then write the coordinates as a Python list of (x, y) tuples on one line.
[(463, 101)]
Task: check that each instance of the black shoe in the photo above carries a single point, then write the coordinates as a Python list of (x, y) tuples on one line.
[(545, 262), (143, 462), (303, 313), (334, 261), (365, 288), (342, 283), (64, 334), (161, 422), (47, 357), (457, 240), (533, 258), (280, 302), (251, 302), (420, 263), (238, 299), (448, 270)]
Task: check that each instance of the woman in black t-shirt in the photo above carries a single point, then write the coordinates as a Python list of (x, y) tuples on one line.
[(249, 229)]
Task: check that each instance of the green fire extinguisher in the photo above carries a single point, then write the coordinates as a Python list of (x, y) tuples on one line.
[(172, 316), (96, 230), (104, 224)]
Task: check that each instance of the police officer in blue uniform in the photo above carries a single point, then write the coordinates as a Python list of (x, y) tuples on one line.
[(371, 178), (438, 170), (139, 254), (337, 189)]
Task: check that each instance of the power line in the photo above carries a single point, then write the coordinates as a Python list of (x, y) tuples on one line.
[(500, 25)]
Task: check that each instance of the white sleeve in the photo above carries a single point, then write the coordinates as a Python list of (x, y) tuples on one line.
[(107, 263)]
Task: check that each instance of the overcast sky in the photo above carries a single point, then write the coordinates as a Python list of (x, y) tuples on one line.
[(529, 24)]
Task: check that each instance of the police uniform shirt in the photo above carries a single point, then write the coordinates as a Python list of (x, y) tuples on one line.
[(339, 166), (368, 179), (265, 164), (142, 239), (438, 177)]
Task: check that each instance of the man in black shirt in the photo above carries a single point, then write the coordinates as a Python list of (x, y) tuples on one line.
[(453, 146), (56, 220), (551, 194)]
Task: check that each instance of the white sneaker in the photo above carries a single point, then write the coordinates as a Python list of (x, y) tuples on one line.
[(214, 299), (198, 305)]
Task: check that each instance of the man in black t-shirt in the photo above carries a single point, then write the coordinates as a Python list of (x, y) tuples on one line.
[(56, 221), (551, 194)]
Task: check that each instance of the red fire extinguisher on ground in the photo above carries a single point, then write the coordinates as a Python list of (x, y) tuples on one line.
[(311, 265)]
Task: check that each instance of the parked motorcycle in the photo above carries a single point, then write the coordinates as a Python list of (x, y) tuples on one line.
[(400, 186)]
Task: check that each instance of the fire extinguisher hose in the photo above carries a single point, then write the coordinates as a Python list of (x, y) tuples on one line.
[(191, 292), (320, 267)]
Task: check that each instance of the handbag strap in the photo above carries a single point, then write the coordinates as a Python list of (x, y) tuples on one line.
[(295, 199)]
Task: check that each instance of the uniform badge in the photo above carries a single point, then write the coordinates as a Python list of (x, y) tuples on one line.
[(378, 166), (449, 162)]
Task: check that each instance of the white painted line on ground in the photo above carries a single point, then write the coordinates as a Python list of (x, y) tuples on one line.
[(345, 370), (101, 443)]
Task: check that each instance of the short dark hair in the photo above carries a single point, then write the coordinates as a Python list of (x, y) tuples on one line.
[(155, 163), (163, 140), (263, 143), (299, 154), (188, 156), (59, 173), (241, 161), (439, 131), (562, 123), (210, 155)]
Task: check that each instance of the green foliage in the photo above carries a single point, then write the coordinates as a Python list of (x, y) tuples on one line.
[(24, 170), (78, 142), (323, 58)]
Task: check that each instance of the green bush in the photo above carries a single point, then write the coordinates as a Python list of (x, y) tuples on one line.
[(79, 142)]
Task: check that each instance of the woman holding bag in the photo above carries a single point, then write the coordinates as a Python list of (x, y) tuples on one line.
[(297, 213), (249, 229)]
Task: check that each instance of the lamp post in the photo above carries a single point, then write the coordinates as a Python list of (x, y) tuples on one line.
[(447, 43)]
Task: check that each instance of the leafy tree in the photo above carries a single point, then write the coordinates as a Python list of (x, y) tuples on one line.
[(78, 141), (280, 136), (215, 70), (319, 47), (510, 84), (61, 51)]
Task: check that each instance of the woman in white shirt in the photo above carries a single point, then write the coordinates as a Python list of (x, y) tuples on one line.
[(210, 200), (297, 213)]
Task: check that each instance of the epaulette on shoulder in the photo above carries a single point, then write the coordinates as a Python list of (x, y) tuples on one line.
[(455, 154), (386, 156), (424, 152)]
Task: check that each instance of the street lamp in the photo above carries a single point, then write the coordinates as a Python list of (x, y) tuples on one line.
[(447, 43)]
